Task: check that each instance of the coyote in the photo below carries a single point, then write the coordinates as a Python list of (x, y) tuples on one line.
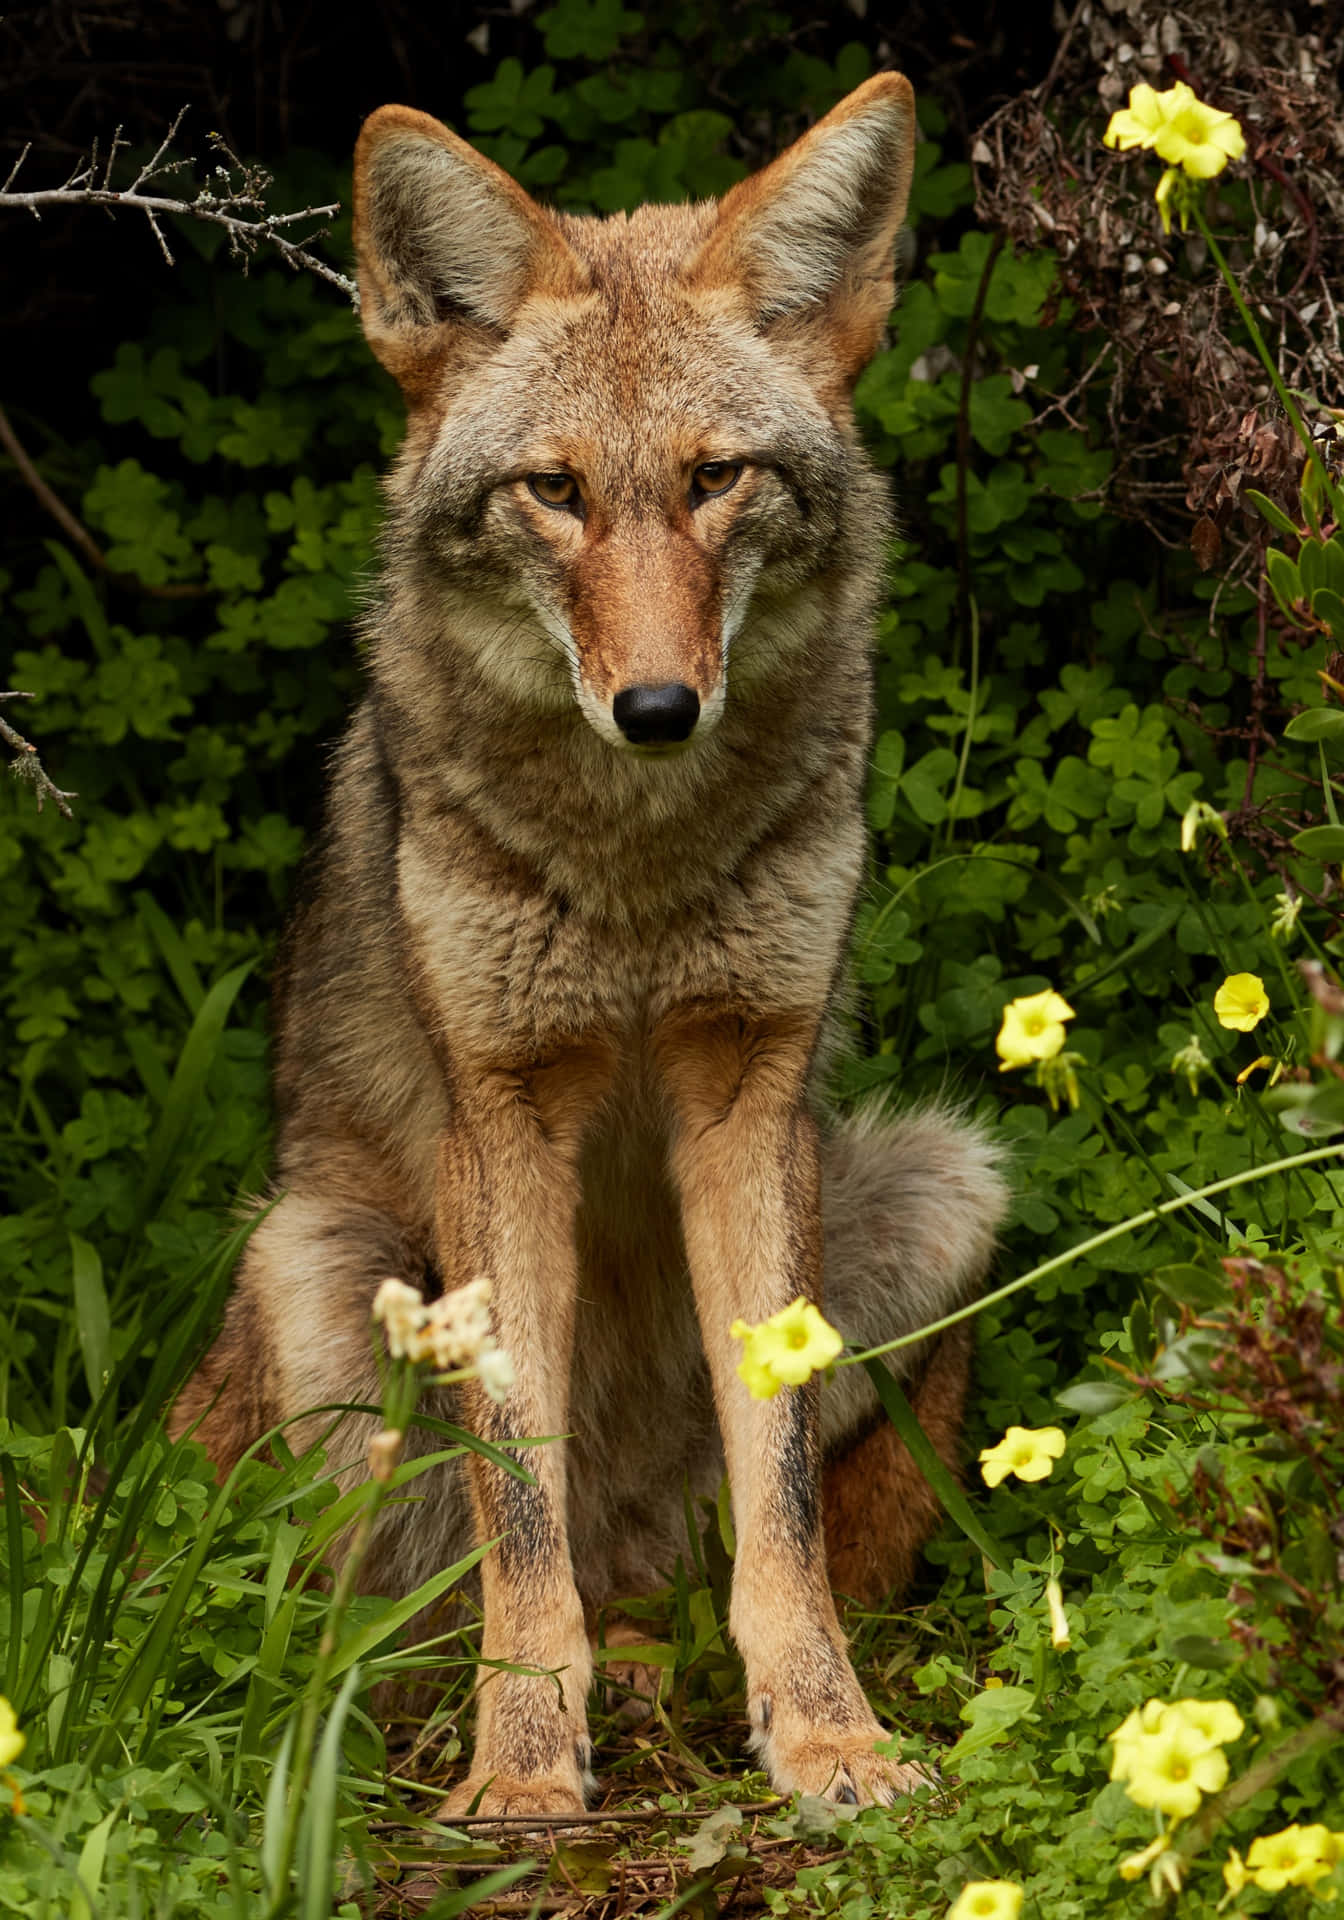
[(559, 1004)]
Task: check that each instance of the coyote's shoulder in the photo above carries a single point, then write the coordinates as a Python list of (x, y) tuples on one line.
[(553, 1011)]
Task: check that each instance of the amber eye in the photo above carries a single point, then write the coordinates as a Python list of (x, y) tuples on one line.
[(554, 489), (713, 477)]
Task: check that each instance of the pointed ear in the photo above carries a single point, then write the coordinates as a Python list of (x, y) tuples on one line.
[(443, 237), (815, 232)]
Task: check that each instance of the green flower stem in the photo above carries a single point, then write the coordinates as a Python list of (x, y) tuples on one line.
[(1109, 1122), (1084, 1247), (1290, 985), (972, 715), (1258, 342)]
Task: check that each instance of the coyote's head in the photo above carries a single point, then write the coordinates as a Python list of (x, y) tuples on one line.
[(628, 437)]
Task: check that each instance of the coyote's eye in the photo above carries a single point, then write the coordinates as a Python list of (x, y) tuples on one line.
[(712, 477), (554, 489)]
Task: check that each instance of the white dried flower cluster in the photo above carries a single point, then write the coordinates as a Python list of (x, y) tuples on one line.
[(451, 1332)]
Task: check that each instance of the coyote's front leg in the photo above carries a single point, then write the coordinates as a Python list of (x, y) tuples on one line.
[(508, 1192), (746, 1157)]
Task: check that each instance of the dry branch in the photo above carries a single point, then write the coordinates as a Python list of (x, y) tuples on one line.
[(27, 766), (234, 199)]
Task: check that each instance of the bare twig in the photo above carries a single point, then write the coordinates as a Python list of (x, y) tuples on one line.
[(77, 533), (639, 1816), (238, 205), (27, 766)]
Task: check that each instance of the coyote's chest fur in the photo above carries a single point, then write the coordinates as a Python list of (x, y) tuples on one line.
[(552, 1013)]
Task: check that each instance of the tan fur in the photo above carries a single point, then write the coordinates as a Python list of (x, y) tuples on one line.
[(558, 1006)]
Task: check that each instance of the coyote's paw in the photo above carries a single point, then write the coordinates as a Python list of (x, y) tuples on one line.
[(630, 1687), (551, 1797), (834, 1765)]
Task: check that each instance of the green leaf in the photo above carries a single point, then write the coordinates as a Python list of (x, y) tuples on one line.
[(992, 1716), (1094, 1396), (1328, 607), (1285, 582), (475, 1893), (1191, 1286), (363, 1642), (1276, 518), (1211, 1656), (187, 1086), (89, 1868), (319, 1840), (1317, 723), (1321, 843), (93, 1319)]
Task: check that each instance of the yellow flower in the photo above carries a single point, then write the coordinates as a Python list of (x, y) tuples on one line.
[(1296, 1857), (1235, 1876), (786, 1349), (1167, 1753), (987, 1900), (1165, 188), (12, 1742), (1059, 1620), (1136, 1864), (1216, 1721), (1130, 1735), (1199, 817), (1241, 1002), (1172, 1768), (1059, 1079), (1138, 124), (1180, 128), (1028, 1452), (1197, 138), (1033, 1029)]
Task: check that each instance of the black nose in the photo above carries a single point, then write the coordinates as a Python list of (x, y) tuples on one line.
[(656, 713)]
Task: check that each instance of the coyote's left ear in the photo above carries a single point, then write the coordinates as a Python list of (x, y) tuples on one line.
[(813, 235)]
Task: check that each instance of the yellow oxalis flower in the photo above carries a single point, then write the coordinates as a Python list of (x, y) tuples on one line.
[(1216, 1721), (1130, 1735), (1172, 1768), (1059, 1620), (1028, 1452), (12, 1742), (987, 1900), (1296, 1857), (1138, 124), (1135, 1864), (1235, 1876), (1033, 1029), (1241, 1002), (786, 1349), (1167, 1753), (1180, 129)]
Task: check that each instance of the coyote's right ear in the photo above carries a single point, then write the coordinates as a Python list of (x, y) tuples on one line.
[(443, 238)]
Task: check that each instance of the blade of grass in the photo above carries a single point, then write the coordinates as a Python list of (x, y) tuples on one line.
[(93, 1318), (320, 1811), (930, 1463), (187, 1086), (17, 1583)]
